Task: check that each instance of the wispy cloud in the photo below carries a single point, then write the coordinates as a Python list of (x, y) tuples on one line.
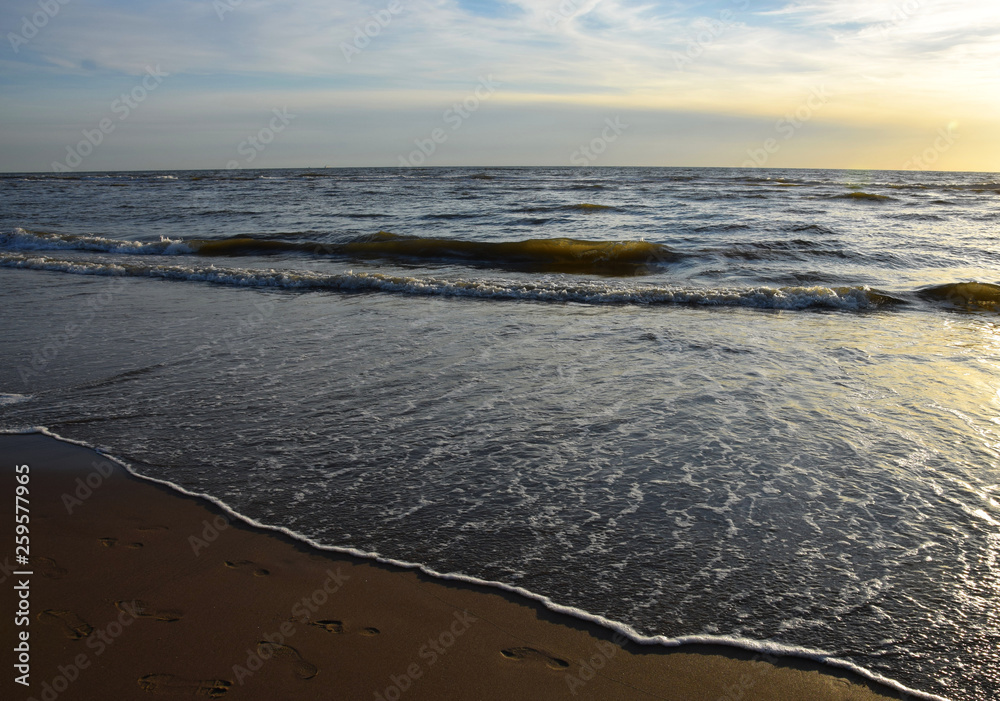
[(912, 63)]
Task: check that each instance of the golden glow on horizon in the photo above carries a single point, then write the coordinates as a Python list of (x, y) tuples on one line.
[(896, 77)]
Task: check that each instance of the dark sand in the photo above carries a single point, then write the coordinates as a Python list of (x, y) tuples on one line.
[(123, 608)]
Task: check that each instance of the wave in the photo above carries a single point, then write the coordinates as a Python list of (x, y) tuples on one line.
[(844, 298), (863, 197), (761, 647), (21, 240), (584, 207), (969, 295), (812, 229), (799, 249), (915, 216), (550, 255), (714, 228), (448, 216), (541, 255), (39, 177)]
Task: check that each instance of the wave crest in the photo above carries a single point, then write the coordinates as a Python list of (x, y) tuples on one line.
[(537, 255), (969, 295), (863, 197), (560, 291), (549, 255)]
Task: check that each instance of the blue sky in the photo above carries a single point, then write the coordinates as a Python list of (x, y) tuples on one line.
[(905, 83)]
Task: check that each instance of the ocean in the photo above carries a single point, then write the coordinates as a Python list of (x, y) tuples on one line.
[(748, 406)]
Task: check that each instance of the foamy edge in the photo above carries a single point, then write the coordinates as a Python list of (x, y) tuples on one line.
[(559, 291), (756, 646)]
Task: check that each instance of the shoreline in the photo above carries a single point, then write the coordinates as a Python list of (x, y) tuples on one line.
[(212, 605)]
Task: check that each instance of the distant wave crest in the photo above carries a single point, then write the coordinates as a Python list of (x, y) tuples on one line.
[(864, 197)]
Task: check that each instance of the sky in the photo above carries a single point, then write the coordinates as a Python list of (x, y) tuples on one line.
[(205, 84)]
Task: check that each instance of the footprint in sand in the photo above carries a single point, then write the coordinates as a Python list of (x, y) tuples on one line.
[(247, 564), (72, 625), (169, 684), (338, 627), (114, 543), (47, 567), (529, 653), (139, 609), (300, 667), (329, 626)]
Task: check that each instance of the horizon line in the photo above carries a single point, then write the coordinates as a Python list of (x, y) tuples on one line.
[(69, 175)]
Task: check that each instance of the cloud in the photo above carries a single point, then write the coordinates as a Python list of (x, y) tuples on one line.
[(549, 46), (912, 63)]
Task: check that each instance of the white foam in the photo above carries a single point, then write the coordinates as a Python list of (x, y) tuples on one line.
[(548, 290), (8, 399), (21, 240), (756, 646)]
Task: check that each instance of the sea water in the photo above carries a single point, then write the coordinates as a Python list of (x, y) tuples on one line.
[(755, 406)]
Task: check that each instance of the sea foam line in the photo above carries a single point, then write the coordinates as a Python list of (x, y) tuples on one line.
[(21, 240), (561, 290), (756, 646), (9, 398)]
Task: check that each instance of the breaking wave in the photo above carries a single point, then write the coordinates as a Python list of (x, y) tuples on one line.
[(844, 298), (545, 255)]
